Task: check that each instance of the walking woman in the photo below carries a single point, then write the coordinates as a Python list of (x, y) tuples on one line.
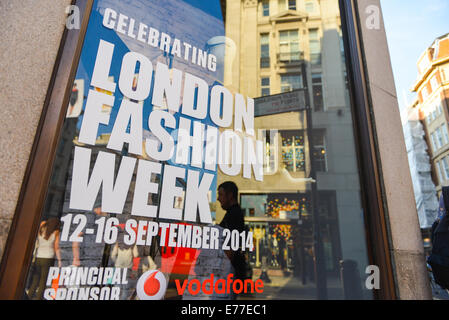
[(47, 247)]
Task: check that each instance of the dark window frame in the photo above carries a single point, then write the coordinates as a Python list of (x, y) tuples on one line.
[(25, 224), (24, 227), (264, 55), (377, 233)]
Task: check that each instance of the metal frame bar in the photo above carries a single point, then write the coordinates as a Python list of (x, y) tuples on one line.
[(373, 195), (25, 223)]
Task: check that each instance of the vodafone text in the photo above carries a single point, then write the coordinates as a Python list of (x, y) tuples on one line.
[(221, 286)]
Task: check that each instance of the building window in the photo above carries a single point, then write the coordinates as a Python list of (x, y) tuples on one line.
[(289, 46), (445, 134), (271, 150), (440, 173), (264, 50), (286, 204), (265, 86), (434, 142), (317, 90), (319, 151), (432, 115), (291, 4), (293, 153), (290, 82), (439, 137), (314, 47), (445, 167), (265, 8)]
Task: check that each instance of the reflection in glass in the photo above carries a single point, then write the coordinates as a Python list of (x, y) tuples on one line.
[(305, 219)]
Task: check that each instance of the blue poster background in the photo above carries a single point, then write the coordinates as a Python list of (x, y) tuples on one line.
[(196, 22)]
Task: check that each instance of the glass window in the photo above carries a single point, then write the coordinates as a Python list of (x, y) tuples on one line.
[(264, 50), (293, 155), (434, 141), (265, 8), (144, 162), (317, 90), (291, 4), (440, 173), (439, 137), (445, 162), (290, 82), (265, 85), (314, 47), (445, 134), (319, 150), (289, 46), (271, 144)]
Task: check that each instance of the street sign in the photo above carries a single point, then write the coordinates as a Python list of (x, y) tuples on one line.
[(280, 103)]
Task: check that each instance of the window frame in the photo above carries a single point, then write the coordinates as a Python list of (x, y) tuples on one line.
[(313, 41), (288, 43), (378, 236), (441, 175), (445, 134), (322, 134), (24, 227), (262, 86), (291, 75), (320, 85), (445, 166), (293, 148), (292, 5), (265, 8), (262, 43)]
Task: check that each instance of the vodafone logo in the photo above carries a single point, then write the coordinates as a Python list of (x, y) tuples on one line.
[(151, 285)]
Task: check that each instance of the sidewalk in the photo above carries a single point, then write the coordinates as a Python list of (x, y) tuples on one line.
[(291, 288)]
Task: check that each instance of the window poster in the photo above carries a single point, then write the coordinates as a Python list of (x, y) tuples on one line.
[(192, 164), (129, 213)]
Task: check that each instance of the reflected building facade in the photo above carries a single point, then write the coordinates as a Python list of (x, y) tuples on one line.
[(432, 88), (281, 48)]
